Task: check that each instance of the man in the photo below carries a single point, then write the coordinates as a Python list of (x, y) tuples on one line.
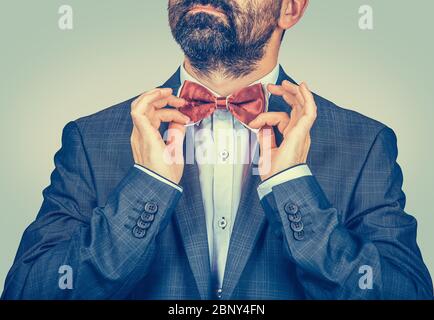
[(320, 214)]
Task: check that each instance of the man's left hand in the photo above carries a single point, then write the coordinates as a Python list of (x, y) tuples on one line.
[(295, 130)]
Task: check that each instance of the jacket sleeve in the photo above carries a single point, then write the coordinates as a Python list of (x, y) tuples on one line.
[(75, 250), (371, 253)]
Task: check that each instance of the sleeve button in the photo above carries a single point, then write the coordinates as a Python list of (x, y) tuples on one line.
[(147, 217), (143, 224), (291, 208), (151, 207), (299, 236), (139, 232), (296, 217), (297, 226)]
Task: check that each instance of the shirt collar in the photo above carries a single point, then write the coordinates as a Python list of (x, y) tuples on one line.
[(271, 77)]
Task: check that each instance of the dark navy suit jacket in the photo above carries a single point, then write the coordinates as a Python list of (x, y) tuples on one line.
[(126, 235)]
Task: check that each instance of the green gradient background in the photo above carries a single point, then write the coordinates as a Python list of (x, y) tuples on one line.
[(121, 48)]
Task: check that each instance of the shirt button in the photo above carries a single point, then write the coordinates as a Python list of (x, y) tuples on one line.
[(219, 293), (224, 155), (222, 222)]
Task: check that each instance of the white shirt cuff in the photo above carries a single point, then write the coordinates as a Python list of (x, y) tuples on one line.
[(158, 177), (290, 174)]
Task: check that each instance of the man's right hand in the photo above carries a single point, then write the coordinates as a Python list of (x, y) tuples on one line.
[(149, 148)]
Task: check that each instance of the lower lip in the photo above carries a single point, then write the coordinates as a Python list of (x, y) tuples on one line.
[(206, 9)]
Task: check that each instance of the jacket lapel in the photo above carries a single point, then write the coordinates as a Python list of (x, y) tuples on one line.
[(249, 221), (250, 217), (190, 216)]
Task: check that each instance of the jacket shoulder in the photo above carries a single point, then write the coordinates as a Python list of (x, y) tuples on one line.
[(109, 121), (346, 124)]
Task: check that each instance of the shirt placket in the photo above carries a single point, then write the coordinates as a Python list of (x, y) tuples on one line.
[(223, 132)]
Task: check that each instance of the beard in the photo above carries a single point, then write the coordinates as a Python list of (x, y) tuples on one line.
[(232, 43)]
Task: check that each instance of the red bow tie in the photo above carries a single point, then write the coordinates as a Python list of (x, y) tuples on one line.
[(245, 104)]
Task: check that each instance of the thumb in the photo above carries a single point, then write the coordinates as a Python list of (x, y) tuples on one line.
[(175, 142), (267, 142), (266, 139)]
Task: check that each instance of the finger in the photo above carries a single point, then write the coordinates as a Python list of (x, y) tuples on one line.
[(294, 90), (305, 124), (276, 90), (289, 86), (140, 97), (176, 133), (133, 140), (172, 115), (154, 95), (145, 130), (279, 119), (290, 94), (175, 142), (176, 102), (291, 100), (307, 148), (310, 107), (141, 104), (172, 101), (268, 118), (266, 140), (285, 88)]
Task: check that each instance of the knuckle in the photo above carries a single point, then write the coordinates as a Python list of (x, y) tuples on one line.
[(145, 101), (134, 114), (135, 103), (150, 93)]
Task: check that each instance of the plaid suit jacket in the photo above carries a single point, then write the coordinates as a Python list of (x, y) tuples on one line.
[(126, 235)]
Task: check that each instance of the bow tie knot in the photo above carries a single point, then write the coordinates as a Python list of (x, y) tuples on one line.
[(221, 103), (245, 104)]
